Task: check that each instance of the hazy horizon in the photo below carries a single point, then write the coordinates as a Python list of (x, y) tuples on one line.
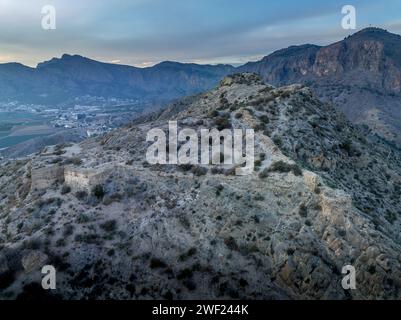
[(234, 64)]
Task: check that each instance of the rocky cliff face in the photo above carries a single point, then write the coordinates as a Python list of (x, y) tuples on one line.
[(322, 196), (360, 75)]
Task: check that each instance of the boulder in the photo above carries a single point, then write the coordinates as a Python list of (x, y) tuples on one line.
[(34, 260)]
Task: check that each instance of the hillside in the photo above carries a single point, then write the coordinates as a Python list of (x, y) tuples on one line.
[(322, 196)]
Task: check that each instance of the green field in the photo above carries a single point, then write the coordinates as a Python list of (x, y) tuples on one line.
[(10, 119), (11, 141)]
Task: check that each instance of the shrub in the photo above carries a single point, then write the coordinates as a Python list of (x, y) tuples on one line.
[(157, 263), (188, 254), (216, 170), (290, 251), (60, 242), (303, 211), (75, 161), (83, 218), (296, 170), (214, 113), (224, 102), (185, 273), (199, 171), (65, 189), (372, 269), (342, 233), (223, 122), (98, 191), (68, 230), (88, 238), (81, 195), (219, 189), (190, 284), (391, 217), (281, 166), (116, 196), (109, 225), (230, 172), (264, 174), (259, 127), (278, 141), (185, 167), (264, 119), (259, 197), (346, 145), (231, 244)]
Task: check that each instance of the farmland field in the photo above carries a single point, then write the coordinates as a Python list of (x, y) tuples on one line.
[(17, 127)]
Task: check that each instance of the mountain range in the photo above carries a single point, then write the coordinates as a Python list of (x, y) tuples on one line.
[(360, 75), (63, 79)]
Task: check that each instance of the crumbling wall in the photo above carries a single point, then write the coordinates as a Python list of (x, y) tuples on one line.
[(44, 177), (84, 179), (77, 179)]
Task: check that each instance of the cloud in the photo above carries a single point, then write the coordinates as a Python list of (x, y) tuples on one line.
[(144, 32)]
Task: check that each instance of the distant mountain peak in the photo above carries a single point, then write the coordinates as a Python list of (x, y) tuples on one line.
[(369, 30), (169, 64), (375, 34), (14, 65), (67, 56)]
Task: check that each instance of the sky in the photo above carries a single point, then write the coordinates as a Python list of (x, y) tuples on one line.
[(145, 32)]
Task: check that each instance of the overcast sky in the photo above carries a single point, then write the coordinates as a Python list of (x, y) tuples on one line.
[(145, 32)]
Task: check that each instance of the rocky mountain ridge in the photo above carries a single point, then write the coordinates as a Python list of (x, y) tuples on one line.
[(360, 75)]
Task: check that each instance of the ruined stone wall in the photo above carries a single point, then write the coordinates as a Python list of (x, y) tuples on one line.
[(84, 179), (43, 178), (78, 180), (98, 178)]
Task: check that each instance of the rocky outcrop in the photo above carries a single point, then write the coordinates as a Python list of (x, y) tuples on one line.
[(34, 261)]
